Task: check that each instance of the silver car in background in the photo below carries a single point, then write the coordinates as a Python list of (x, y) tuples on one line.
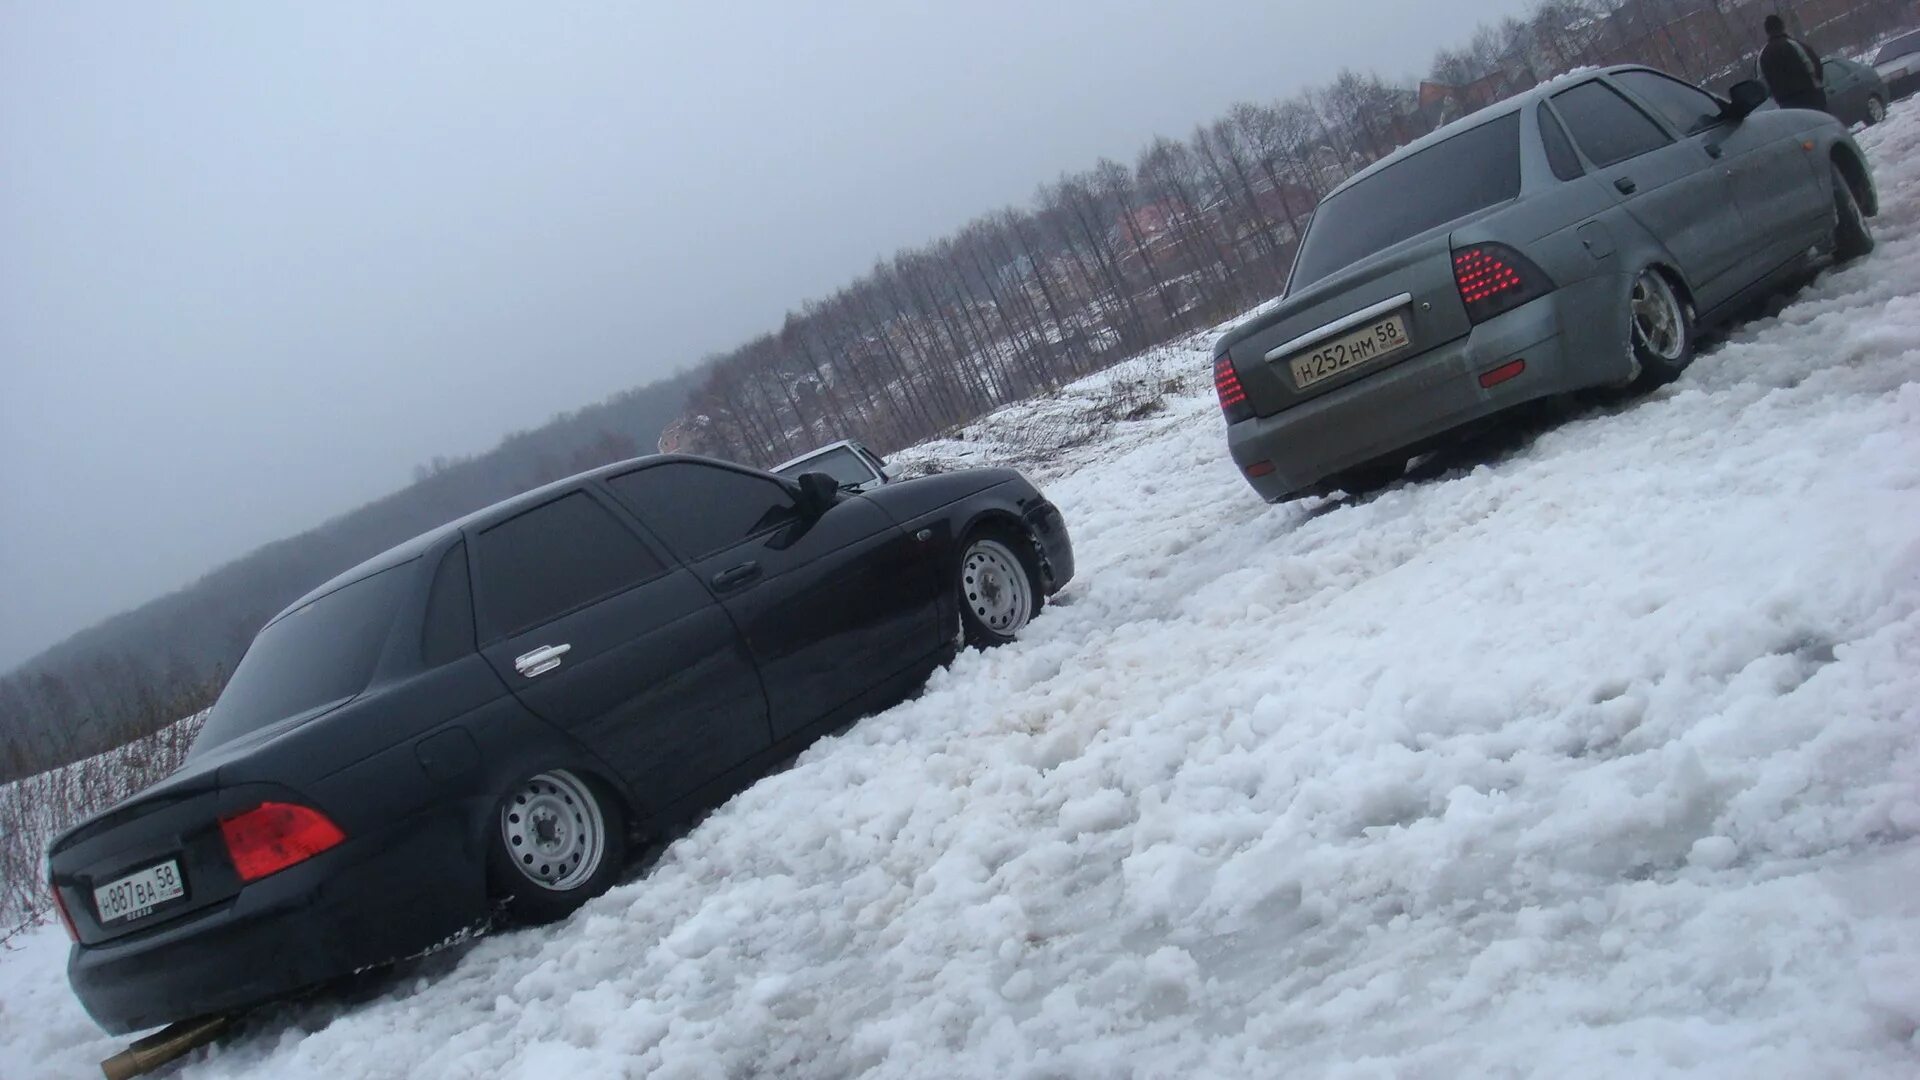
[(1572, 237), (855, 467)]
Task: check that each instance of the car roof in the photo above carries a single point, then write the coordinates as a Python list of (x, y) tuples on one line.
[(440, 537), (849, 444), (1485, 115)]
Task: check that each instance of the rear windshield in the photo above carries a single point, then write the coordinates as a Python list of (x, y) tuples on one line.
[(1473, 170), (319, 654), (1898, 47), (841, 463)]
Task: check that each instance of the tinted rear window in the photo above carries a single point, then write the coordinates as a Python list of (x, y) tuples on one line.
[(1896, 48), (1473, 170), (841, 463), (319, 654)]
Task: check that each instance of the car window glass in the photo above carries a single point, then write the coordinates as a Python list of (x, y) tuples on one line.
[(1687, 109), (699, 509), (1565, 163), (320, 653), (1896, 48), (1475, 169), (553, 559), (1606, 125), (446, 633), (841, 463)]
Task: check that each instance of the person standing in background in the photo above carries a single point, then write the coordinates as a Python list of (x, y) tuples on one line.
[(1792, 71)]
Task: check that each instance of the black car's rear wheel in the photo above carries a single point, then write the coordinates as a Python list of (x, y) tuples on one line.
[(560, 842), (1852, 236), (999, 587), (1660, 329)]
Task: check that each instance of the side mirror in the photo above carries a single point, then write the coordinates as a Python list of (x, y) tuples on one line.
[(818, 491), (1746, 96)]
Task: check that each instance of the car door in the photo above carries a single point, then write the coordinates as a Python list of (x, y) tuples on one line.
[(1777, 193), (1673, 187), (602, 635), (830, 605)]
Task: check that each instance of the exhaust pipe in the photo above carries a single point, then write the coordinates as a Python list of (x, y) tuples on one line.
[(167, 1044)]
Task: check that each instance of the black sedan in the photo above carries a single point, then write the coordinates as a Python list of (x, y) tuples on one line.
[(483, 721)]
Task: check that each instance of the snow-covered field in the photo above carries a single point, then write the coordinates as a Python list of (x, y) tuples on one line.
[(1596, 758)]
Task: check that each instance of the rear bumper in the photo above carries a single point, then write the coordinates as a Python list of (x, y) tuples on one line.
[(1049, 531), (371, 900), (1433, 393)]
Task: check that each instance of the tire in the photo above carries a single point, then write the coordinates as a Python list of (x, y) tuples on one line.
[(1659, 330), (1876, 109), (1852, 237), (997, 583), (558, 840)]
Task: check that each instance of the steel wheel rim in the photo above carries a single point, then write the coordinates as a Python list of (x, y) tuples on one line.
[(994, 585), (1657, 322), (553, 830), (1876, 111)]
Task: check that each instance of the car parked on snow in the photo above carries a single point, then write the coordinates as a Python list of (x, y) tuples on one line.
[(1856, 93), (1574, 236), (852, 464), (1898, 62), (486, 717)]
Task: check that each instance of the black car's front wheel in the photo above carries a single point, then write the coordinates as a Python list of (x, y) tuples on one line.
[(1876, 110), (1852, 236), (999, 587), (1660, 329), (560, 842)]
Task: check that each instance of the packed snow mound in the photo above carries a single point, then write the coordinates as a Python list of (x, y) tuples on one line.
[(1594, 758)]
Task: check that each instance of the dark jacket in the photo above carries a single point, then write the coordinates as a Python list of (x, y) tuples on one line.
[(1793, 73)]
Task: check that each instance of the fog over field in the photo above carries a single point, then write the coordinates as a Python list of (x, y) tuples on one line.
[(259, 261)]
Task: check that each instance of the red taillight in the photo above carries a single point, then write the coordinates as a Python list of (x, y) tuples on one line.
[(1494, 278), (273, 836), (1226, 383), (1259, 468), (60, 905), (1496, 376)]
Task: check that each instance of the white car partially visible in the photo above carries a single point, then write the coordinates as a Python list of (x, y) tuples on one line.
[(850, 463)]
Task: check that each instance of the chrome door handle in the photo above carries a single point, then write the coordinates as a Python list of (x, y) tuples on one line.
[(541, 660)]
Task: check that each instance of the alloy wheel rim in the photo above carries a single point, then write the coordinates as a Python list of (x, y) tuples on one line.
[(1876, 111), (1657, 322), (554, 831), (994, 585)]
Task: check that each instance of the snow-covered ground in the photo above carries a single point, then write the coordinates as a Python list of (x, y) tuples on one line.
[(1596, 758)]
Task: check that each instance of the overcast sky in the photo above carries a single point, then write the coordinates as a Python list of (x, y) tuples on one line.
[(259, 260)]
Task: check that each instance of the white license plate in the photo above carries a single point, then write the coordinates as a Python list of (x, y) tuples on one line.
[(1365, 345), (136, 894)]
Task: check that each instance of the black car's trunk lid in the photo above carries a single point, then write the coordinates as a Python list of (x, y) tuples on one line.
[(148, 860)]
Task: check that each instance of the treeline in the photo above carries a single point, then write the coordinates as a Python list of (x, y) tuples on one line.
[(139, 671), (1120, 257)]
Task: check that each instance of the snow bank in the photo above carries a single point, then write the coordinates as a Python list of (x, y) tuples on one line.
[(1594, 758)]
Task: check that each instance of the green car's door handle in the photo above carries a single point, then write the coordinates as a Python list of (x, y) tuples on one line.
[(1713, 150), (1626, 185)]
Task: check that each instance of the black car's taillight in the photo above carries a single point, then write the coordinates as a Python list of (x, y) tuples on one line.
[(1233, 399), (1494, 279), (60, 905), (274, 835)]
